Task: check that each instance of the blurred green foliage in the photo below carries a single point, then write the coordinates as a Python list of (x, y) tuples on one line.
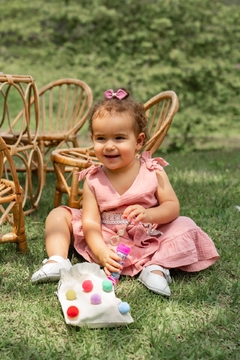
[(191, 47)]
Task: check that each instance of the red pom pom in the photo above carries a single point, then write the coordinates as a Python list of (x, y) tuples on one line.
[(87, 285), (72, 311)]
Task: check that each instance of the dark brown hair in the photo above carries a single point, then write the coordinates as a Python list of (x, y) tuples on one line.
[(128, 105)]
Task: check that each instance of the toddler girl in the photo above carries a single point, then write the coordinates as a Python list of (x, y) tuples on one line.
[(127, 198)]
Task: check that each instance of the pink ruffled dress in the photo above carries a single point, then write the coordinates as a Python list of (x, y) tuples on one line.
[(178, 244)]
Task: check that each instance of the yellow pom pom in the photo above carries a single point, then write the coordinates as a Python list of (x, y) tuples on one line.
[(71, 295)]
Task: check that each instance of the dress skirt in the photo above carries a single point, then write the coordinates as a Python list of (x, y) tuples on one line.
[(180, 244)]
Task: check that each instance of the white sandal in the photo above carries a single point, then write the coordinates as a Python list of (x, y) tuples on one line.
[(51, 271), (155, 282)]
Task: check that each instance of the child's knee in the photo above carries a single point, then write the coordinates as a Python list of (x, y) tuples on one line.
[(59, 214)]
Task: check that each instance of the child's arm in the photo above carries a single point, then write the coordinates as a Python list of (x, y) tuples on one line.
[(91, 222), (167, 211)]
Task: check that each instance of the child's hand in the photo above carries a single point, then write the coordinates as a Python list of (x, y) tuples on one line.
[(109, 260), (135, 213)]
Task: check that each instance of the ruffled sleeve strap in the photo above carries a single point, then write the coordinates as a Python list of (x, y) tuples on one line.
[(155, 163), (89, 171)]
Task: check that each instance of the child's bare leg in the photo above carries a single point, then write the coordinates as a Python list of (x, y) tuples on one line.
[(58, 230)]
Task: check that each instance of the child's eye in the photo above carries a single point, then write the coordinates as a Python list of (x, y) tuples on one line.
[(100, 138), (119, 137)]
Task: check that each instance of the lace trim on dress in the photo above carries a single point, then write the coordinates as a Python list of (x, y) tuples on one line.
[(113, 218)]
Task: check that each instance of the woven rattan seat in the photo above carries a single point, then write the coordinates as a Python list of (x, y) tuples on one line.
[(160, 111), (11, 196)]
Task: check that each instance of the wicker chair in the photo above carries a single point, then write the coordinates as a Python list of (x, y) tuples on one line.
[(11, 196), (64, 107), (20, 115), (160, 111)]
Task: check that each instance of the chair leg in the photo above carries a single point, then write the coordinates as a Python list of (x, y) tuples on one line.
[(18, 217), (57, 198), (73, 198), (22, 244)]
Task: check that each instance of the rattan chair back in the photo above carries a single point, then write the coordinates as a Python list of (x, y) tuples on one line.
[(160, 111), (11, 196), (19, 126), (64, 108)]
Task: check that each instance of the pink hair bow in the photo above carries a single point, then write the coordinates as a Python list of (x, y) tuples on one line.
[(120, 94)]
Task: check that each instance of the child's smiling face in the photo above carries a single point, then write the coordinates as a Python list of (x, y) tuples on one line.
[(115, 140)]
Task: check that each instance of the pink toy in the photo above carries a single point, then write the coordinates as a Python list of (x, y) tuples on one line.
[(122, 251)]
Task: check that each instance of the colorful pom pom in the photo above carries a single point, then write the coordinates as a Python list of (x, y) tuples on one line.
[(72, 311), (123, 307), (71, 295), (87, 285), (96, 299), (107, 285)]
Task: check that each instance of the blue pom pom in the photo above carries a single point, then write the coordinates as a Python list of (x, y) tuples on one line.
[(123, 307)]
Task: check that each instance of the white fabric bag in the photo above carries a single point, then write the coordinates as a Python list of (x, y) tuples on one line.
[(108, 313)]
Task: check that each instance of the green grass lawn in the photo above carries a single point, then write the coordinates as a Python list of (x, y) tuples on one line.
[(199, 321)]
